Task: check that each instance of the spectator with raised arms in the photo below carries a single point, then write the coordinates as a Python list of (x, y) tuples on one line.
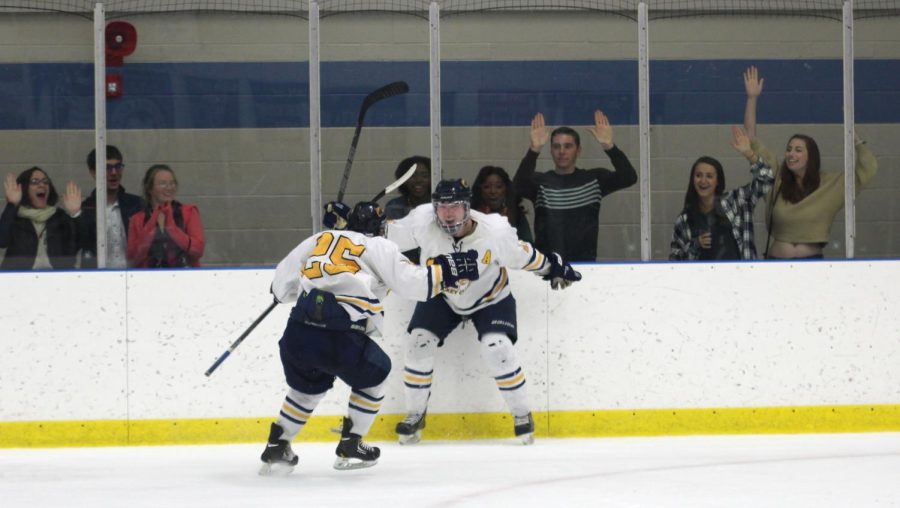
[(805, 200), (34, 231), (715, 225), (567, 199)]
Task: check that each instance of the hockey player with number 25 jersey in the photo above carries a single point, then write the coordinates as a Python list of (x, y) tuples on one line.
[(448, 225), (338, 279)]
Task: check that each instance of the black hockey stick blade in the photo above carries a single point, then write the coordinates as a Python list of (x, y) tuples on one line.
[(397, 183), (389, 90), (240, 339)]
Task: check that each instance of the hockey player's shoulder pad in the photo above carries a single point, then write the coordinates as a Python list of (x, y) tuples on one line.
[(491, 221), (419, 218)]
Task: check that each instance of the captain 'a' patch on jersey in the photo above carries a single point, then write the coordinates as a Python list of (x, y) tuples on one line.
[(496, 242)]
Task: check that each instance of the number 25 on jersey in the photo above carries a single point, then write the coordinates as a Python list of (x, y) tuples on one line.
[(328, 257)]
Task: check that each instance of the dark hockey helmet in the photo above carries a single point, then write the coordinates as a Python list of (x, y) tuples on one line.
[(367, 218), (452, 191)]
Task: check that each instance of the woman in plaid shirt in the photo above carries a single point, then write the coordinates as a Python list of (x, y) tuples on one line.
[(716, 225)]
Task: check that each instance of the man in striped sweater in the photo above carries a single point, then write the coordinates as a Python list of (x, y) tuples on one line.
[(567, 199)]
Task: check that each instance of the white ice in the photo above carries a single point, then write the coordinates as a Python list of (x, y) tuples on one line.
[(813, 470)]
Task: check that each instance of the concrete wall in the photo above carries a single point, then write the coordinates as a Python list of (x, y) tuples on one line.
[(223, 99)]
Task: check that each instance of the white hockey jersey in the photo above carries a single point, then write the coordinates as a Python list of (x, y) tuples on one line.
[(357, 269), (494, 239)]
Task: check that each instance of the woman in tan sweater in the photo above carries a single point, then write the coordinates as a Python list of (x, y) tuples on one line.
[(805, 200)]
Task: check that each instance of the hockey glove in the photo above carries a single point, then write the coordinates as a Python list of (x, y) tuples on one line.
[(457, 266), (561, 274), (336, 215)]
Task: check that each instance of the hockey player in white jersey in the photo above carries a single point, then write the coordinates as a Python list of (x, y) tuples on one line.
[(338, 279), (448, 225)]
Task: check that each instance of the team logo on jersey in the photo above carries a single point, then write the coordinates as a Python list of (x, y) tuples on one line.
[(460, 288)]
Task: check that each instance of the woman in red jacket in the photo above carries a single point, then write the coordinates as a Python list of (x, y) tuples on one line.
[(166, 234)]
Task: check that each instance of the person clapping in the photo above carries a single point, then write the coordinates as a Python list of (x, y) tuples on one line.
[(166, 234)]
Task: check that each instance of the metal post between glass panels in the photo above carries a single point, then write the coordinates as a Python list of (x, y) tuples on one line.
[(434, 67), (644, 127), (100, 128), (849, 144), (315, 127)]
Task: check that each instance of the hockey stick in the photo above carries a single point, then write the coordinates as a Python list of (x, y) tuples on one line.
[(395, 88), (240, 339), (400, 181), (387, 190)]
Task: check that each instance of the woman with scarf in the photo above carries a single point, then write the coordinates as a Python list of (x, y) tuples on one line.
[(166, 234), (34, 231)]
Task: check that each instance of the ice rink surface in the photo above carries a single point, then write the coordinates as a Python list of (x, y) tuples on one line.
[(811, 470)]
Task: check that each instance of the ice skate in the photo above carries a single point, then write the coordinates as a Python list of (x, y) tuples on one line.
[(278, 457), (352, 453), (524, 427), (410, 429)]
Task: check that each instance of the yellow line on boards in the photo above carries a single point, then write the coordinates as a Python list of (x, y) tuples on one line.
[(461, 426)]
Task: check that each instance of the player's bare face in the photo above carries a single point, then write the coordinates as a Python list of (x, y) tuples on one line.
[(565, 152)]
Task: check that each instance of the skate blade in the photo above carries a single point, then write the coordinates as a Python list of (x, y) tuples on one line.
[(408, 439), (276, 469), (346, 464), (527, 439)]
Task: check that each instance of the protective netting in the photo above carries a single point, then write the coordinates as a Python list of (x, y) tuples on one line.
[(662, 9), (413, 7), (71, 7), (626, 8), (657, 9), (831, 9), (119, 8), (875, 8), (287, 7)]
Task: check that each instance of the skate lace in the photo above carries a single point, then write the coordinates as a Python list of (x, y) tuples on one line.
[(364, 447), (521, 420), (413, 418)]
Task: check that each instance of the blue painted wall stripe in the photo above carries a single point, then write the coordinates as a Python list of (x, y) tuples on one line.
[(274, 94)]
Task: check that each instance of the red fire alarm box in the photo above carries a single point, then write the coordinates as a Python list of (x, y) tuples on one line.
[(113, 86)]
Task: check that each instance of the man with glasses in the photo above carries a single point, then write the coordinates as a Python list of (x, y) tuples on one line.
[(120, 206)]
